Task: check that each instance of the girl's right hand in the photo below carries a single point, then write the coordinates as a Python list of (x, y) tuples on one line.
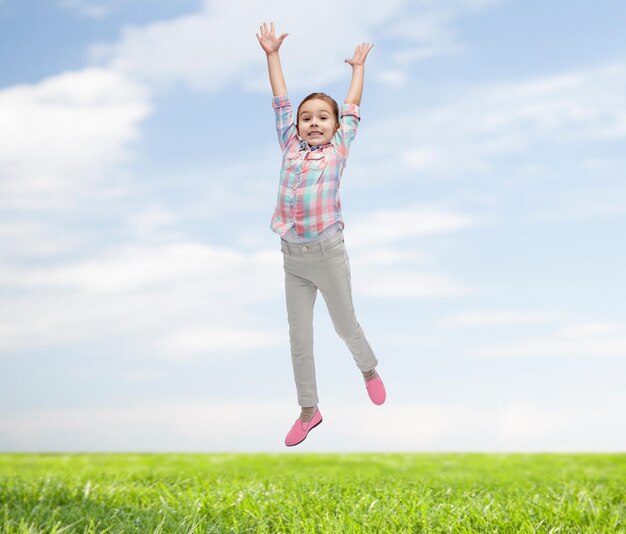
[(268, 40)]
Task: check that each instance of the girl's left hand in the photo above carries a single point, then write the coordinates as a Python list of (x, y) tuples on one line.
[(360, 54)]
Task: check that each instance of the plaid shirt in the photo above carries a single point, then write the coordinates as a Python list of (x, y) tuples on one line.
[(308, 192)]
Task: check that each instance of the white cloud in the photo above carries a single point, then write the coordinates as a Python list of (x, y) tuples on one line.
[(200, 341), (592, 330), (217, 45), (125, 269), (154, 223), (408, 285), (387, 262), (30, 239), (66, 135), (146, 292), (407, 221), (430, 32), (472, 133)]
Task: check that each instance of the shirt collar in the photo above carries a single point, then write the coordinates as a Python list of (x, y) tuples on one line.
[(304, 145)]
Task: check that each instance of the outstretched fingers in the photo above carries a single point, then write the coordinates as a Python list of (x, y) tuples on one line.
[(364, 48), (267, 37), (360, 54)]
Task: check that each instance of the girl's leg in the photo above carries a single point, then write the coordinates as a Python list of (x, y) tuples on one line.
[(334, 281), (300, 295)]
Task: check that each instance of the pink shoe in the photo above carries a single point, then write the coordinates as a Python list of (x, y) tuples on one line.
[(299, 430), (376, 390)]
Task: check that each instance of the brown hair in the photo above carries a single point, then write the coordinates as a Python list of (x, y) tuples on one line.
[(320, 96)]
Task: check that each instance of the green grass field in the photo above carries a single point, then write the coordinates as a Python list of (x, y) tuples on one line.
[(332, 493)]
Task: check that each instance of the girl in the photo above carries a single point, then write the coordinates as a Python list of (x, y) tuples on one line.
[(308, 218)]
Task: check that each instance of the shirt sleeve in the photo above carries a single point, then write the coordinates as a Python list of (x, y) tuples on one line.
[(285, 125), (350, 117)]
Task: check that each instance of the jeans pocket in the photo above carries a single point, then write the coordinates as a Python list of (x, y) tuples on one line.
[(336, 249)]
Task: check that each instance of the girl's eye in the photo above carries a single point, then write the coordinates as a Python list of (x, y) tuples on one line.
[(324, 118)]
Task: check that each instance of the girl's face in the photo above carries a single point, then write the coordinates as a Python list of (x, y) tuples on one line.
[(317, 123)]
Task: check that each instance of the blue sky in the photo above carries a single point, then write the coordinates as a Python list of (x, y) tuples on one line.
[(141, 289)]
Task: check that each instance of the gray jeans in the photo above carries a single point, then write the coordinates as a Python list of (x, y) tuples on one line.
[(324, 266)]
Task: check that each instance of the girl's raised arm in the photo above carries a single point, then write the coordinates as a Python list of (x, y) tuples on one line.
[(271, 44), (358, 73)]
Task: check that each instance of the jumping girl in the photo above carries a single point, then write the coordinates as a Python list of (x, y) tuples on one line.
[(307, 216)]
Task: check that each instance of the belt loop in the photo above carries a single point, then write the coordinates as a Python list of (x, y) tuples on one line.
[(323, 247)]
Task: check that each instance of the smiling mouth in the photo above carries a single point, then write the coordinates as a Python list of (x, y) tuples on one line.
[(315, 133)]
